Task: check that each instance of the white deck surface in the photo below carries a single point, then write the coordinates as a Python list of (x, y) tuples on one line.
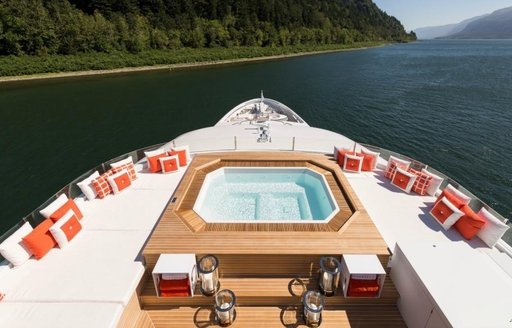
[(244, 137)]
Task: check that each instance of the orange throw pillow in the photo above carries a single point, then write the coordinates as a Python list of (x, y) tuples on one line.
[(154, 163), (69, 205), (341, 155), (182, 156), (170, 164), (452, 198), (422, 182), (71, 228), (40, 241), (391, 168), (469, 224), (101, 184), (368, 161), (128, 167)]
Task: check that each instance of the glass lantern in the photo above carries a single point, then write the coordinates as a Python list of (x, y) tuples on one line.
[(313, 303), (225, 307), (330, 269), (208, 274)]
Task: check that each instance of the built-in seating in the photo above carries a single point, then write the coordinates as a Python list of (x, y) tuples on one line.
[(450, 209), (98, 271)]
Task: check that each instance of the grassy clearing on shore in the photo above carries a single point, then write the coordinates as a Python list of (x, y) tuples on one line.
[(27, 65)]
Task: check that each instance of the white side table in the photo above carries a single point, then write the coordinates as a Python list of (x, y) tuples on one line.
[(361, 265), (175, 264)]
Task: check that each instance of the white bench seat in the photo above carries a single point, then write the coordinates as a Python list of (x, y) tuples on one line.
[(89, 283), (97, 266), (59, 315), (400, 216)]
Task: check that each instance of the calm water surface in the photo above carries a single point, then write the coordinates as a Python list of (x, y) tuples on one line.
[(446, 103)]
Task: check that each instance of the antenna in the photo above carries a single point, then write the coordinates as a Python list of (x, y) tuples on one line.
[(262, 97)]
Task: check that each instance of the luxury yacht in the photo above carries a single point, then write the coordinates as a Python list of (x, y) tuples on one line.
[(258, 221)]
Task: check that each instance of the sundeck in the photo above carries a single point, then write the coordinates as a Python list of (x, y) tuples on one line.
[(134, 262)]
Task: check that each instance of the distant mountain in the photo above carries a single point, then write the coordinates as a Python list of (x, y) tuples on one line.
[(497, 25), (433, 32)]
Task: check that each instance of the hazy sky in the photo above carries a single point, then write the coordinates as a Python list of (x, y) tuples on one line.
[(421, 13)]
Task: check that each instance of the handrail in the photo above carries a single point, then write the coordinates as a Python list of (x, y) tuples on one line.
[(72, 190)]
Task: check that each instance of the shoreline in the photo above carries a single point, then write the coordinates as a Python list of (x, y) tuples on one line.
[(170, 67)]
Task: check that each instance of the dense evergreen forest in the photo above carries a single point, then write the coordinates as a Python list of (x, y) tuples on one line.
[(68, 27)]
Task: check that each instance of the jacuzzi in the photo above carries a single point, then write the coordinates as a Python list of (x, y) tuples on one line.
[(260, 194)]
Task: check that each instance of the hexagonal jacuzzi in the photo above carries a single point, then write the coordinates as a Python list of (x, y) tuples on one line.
[(265, 195)]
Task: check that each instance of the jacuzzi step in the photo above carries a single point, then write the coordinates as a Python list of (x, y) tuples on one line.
[(263, 292), (350, 316)]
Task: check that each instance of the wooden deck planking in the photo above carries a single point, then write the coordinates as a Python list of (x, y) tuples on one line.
[(354, 316), (133, 316), (264, 292), (172, 235), (259, 261)]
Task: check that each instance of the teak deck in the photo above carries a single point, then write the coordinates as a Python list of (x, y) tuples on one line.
[(180, 231), (268, 266)]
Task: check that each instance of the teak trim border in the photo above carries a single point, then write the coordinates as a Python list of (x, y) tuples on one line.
[(187, 192)]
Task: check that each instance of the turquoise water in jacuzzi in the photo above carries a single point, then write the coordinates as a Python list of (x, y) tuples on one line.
[(265, 194)]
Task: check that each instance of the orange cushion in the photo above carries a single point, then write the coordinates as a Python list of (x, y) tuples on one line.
[(182, 156), (368, 161), (174, 285), (352, 164), (422, 182), (363, 288), (154, 164), (391, 168), (40, 241), (441, 211), (452, 198), (401, 180), (69, 205), (123, 181), (469, 224), (71, 227), (128, 167), (101, 184), (170, 164), (341, 155)]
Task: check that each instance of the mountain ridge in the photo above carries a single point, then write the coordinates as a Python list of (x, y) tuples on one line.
[(496, 25), (433, 32)]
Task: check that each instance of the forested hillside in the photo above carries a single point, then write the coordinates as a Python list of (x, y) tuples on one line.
[(49, 27)]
